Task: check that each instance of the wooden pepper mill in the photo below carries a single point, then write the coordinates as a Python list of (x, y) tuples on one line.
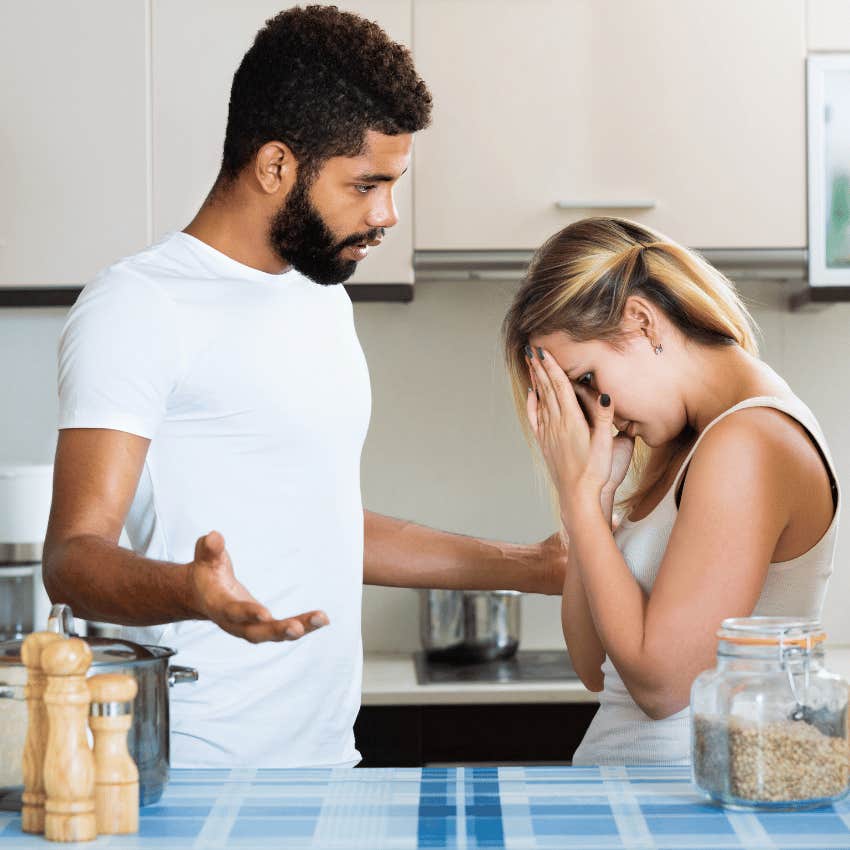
[(32, 814), (116, 793), (68, 761)]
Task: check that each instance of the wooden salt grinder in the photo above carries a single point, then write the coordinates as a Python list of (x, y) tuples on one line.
[(32, 814), (68, 761), (116, 794)]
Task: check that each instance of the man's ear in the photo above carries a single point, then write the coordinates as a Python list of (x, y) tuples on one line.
[(275, 167)]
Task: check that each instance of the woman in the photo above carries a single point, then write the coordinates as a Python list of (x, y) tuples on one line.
[(735, 505)]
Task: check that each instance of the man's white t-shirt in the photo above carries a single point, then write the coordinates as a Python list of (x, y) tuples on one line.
[(254, 392)]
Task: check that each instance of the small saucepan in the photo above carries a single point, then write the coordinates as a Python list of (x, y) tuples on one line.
[(469, 625)]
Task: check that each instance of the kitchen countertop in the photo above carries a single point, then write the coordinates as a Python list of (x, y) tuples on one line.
[(507, 807), (390, 679)]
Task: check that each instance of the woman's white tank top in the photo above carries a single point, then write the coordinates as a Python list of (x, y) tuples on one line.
[(621, 733)]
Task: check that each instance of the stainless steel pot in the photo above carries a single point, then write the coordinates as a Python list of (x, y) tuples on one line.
[(469, 625), (148, 739)]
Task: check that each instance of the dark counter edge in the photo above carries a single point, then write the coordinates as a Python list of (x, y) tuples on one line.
[(65, 296)]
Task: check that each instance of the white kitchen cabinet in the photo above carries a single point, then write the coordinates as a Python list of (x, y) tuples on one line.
[(74, 144), (197, 46), (687, 115), (828, 24)]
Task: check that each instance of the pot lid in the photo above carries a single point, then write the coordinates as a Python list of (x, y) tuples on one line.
[(105, 650)]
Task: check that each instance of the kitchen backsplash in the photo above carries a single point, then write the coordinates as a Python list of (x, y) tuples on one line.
[(444, 447)]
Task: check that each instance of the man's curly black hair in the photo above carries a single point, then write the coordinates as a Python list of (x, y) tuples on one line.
[(317, 78)]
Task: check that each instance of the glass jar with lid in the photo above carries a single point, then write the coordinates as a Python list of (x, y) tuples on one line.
[(769, 722)]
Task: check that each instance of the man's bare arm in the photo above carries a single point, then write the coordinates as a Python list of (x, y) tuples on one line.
[(95, 476), (403, 554), (96, 473)]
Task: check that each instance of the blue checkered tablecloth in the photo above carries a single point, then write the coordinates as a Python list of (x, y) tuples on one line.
[(511, 807)]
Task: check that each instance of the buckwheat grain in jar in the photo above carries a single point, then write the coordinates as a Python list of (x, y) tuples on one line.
[(769, 722)]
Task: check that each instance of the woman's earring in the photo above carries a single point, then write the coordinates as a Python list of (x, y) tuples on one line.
[(658, 348)]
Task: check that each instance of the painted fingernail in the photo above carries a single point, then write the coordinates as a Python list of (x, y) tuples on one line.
[(540, 353), (528, 352), (291, 633), (605, 399), (318, 620)]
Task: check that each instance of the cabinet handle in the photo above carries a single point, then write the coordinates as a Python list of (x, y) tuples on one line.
[(606, 205)]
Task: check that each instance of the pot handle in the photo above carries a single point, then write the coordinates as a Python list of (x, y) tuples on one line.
[(61, 620), (177, 674)]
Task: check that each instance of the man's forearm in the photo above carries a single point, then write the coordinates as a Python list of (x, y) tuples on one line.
[(102, 581), (403, 554)]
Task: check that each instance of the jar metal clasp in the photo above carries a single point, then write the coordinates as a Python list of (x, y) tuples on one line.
[(787, 655)]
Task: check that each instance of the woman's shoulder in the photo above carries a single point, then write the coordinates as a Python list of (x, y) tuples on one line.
[(769, 462), (770, 414), (769, 420), (774, 438), (738, 469), (765, 424)]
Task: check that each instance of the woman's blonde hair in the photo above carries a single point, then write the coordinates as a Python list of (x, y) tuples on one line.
[(578, 283)]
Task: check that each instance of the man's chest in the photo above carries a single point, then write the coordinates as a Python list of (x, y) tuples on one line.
[(292, 375)]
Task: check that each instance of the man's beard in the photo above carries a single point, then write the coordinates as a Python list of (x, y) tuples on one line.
[(298, 234)]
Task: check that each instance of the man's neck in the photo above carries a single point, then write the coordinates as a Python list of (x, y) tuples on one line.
[(238, 230)]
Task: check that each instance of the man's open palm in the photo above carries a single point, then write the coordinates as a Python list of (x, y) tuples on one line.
[(221, 598)]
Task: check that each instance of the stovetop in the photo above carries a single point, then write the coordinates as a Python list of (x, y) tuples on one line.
[(548, 665)]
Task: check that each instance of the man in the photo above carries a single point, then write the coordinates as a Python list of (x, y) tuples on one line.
[(215, 380)]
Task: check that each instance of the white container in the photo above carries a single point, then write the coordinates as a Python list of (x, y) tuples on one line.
[(25, 494)]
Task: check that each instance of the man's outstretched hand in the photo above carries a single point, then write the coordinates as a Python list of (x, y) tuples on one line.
[(220, 598)]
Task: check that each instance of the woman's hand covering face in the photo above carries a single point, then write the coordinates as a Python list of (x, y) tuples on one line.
[(574, 429)]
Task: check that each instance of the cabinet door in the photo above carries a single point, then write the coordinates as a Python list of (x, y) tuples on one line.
[(74, 142), (687, 115), (197, 46), (828, 24)]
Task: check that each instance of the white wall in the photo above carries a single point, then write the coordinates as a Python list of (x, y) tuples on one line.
[(28, 340), (444, 447)]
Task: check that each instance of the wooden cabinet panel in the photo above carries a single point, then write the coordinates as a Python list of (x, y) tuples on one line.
[(505, 143), (692, 107), (197, 46), (74, 142)]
